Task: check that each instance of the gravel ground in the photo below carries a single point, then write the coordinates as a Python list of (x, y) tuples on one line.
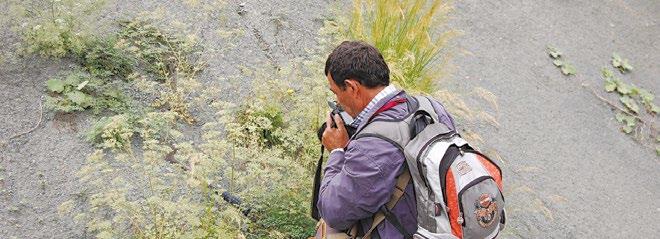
[(570, 172)]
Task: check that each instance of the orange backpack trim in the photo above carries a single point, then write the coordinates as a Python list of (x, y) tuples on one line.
[(452, 204), (492, 170)]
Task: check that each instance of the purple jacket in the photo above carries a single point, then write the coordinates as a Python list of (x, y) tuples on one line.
[(357, 182)]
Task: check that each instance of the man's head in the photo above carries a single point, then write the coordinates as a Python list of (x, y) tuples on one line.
[(356, 72)]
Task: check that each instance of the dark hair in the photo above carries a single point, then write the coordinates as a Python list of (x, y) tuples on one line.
[(359, 61)]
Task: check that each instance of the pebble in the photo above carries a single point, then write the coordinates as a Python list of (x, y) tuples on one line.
[(241, 9)]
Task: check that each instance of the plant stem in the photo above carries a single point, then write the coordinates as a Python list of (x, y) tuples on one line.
[(652, 127), (614, 106)]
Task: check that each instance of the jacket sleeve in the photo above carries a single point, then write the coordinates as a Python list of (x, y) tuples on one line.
[(358, 182)]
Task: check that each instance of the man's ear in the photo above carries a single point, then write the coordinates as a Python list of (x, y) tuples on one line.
[(353, 85)]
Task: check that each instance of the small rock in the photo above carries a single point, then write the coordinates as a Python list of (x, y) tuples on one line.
[(241, 9)]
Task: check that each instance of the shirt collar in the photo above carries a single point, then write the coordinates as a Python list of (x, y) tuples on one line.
[(370, 107)]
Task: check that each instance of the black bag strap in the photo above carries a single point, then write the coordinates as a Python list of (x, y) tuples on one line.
[(317, 186), (399, 190), (390, 217)]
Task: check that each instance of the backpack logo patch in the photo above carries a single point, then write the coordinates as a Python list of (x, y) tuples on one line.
[(486, 210), (463, 168)]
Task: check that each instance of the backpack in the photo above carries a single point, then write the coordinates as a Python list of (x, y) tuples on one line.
[(458, 189)]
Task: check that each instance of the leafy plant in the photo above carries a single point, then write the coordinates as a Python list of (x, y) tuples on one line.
[(620, 63), (635, 121), (554, 52), (113, 132), (79, 91), (631, 96), (566, 67)]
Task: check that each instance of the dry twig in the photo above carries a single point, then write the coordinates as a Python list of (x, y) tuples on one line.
[(41, 114)]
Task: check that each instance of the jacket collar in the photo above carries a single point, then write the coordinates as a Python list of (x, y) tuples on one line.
[(377, 106)]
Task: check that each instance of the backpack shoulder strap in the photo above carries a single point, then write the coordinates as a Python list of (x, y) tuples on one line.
[(399, 189), (395, 132), (398, 132)]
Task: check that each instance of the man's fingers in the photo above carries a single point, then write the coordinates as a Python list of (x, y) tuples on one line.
[(339, 122), (328, 121)]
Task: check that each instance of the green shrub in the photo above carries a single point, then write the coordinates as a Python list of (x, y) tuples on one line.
[(113, 132), (52, 28), (162, 54), (158, 127), (79, 91), (286, 211), (107, 58), (273, 148), (262, 124)]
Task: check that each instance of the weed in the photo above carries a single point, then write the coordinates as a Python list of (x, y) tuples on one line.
[(163, 55), (52, 28), (620, 63), (566, 67), (634, 119), (106, 58), (167, 58), (79, 91), (113, 132), (403, 31)]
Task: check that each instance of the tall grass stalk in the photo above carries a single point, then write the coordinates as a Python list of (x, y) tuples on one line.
[(403, 30)]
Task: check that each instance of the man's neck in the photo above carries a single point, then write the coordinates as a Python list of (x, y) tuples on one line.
[(369, 95)]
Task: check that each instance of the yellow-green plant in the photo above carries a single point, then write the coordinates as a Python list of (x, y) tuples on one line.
[(52, 28), (405, 33)]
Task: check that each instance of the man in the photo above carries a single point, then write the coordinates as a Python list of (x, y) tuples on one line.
[(361, 173)]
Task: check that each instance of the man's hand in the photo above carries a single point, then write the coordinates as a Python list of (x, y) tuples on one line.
[(334, 138)]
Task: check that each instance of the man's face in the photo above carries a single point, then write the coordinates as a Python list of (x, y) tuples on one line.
[(345, 97)]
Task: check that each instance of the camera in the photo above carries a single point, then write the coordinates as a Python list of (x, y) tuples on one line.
[(336, 109)]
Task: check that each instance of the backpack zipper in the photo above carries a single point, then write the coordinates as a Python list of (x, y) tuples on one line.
[(470, 150)]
